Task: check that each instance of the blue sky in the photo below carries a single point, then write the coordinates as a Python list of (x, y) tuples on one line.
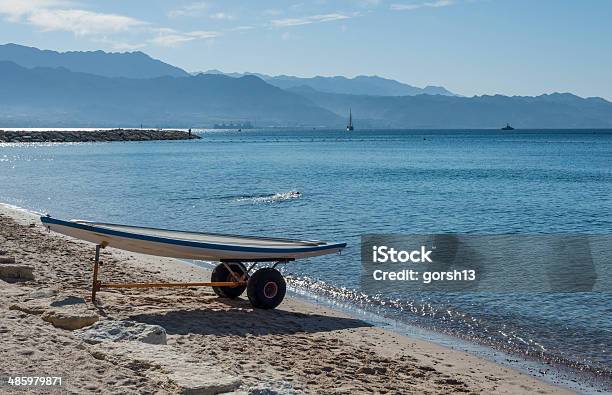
[(472, 47)]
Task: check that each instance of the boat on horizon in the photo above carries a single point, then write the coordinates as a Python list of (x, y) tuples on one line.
[(349, 127), (507, 127)]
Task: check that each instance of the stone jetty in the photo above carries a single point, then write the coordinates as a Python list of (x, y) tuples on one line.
[(76, 135)]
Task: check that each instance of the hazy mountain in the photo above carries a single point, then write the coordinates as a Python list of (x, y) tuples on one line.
[(360, 85), (126, 64), (557, 110), (141, 65), (52, 97), (127, 89), (234, 75)]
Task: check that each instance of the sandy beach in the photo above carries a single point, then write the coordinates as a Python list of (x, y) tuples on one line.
[(213, 345)]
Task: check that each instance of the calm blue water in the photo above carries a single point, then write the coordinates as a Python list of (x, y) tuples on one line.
[(483, 182)]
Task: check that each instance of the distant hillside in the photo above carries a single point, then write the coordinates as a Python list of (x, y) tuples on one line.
[(360, 85), (558, 110), (48, 88), (54, 97), (127, 64)]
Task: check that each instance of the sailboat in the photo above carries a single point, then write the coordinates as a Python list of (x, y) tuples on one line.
[(349, 127)]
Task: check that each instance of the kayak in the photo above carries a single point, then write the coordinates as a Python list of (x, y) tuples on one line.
[(190, 245)]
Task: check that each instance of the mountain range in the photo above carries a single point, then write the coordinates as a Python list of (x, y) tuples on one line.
[(57, 96), (48, 88), (557, 110), (360, 85), (127, 64)]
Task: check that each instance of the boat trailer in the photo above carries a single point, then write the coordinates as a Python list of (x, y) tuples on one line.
[(265, 288)]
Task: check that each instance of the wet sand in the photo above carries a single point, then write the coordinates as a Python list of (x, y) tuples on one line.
[(297, 348)]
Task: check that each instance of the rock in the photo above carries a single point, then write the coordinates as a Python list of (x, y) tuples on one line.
[(122, 331), (262, 390), (66, 312), (9, 291), (366, 370), (275, 387), (190, 375), (31, 307), (95, 135), (43, 300), (16, 272), (43, 293), (70, 319), (6, 259)]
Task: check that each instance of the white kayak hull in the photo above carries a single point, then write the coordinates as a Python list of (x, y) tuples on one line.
[(190, 245)]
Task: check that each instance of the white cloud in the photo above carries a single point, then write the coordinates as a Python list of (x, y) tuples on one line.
[(415, 6), (193, 9), (173, 38), (81, 22), (241, 28), (62, 15), (272, 12), (369, 3), (404, 7), (221, 16), (308, 20), (440, 3), (14, 10), (119, 45), (199, 9)]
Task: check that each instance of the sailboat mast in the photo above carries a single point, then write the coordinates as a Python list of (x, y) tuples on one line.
[(349, 127)]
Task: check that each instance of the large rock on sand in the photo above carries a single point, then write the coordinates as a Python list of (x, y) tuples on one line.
[(66, 312), (39, 301), (16, 272), (191, 375), (121, 331), (70, 320)]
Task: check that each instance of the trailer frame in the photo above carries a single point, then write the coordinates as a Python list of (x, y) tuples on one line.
[(240, 280)]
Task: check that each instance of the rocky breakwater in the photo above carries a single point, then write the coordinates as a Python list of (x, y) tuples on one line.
[(75, 135)]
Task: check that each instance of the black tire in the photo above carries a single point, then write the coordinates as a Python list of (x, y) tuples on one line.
[(266, 288), (220, 273)]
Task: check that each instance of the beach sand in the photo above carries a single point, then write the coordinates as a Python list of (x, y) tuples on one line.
[(297, 348)]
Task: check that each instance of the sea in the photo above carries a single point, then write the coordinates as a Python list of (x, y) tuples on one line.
[(472, 182)]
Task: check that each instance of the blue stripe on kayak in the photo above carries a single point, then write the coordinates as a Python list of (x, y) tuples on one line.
[(110, 232)]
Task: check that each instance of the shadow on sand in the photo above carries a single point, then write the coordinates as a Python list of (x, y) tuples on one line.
[(242, 322)]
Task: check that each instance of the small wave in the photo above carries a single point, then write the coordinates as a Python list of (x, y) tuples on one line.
[(436, 316), (277, 197)]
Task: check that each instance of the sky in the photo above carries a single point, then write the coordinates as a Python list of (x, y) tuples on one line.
[(471, 47)]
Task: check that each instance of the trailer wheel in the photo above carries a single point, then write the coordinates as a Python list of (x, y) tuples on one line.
[(266, 288), (220, 273)]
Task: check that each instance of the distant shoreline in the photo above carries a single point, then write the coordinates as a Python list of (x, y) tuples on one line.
[(91, 135)]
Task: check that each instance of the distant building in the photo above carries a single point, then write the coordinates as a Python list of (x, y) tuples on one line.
[(231, 125)]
